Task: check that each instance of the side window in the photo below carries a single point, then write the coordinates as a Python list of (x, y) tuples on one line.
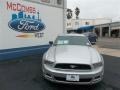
[(46, 1), (59, 2)]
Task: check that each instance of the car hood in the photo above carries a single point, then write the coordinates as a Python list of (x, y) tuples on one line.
[(73, 54)]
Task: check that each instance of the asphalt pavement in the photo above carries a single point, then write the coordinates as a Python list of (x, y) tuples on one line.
[(25, 74)]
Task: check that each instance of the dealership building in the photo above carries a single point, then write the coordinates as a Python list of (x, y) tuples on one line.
[(108, 29), (103, 27)]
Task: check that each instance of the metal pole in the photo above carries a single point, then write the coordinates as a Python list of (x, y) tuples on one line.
[(109, 31), (100, 31), (119, 33)]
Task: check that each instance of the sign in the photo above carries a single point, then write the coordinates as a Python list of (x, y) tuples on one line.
[(37, 24), (22, 22), (25, 19)]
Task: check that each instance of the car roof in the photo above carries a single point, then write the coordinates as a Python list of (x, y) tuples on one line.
[(73, 34)]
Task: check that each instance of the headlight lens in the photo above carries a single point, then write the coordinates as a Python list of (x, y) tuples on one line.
[(49, 63), (97, 65)]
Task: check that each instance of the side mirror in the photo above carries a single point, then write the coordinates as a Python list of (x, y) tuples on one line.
[(51, 42), (93, 43), (88, 44)]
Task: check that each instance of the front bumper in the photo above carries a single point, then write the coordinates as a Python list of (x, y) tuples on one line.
[(86, 77)]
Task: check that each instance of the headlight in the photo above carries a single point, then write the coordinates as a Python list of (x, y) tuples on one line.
[(97, 65), (49, 63)]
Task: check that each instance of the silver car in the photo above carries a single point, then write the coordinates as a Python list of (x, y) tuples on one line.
[(72, 60)]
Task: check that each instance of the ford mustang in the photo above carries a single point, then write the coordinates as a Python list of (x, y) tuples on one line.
[(71, 59)]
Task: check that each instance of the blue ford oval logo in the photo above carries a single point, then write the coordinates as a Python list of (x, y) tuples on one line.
[(26, 24)]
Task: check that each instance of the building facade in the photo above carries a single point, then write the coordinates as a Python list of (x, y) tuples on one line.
[(27, 26), (103, 27), (73, 24), (108, 29)]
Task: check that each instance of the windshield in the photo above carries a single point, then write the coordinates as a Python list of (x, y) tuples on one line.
[(71, 40)]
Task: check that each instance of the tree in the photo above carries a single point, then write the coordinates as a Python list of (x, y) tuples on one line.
[(69, 14), (77, 12)]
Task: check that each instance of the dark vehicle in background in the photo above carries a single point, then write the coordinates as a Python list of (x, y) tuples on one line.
[(92, 37)]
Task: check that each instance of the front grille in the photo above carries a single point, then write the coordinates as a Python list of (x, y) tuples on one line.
[(73, 66), (80, 80)]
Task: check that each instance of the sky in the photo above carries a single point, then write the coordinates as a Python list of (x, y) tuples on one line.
[(97, 8)]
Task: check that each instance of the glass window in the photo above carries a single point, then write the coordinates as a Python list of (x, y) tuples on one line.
[(59, 2), (87, 23), (71, 40), (46, 1)]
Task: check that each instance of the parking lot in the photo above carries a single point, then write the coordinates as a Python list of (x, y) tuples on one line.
[(108, 46), (25, 73)]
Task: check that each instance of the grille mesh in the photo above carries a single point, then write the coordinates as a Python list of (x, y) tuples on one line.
[(73, 66)]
